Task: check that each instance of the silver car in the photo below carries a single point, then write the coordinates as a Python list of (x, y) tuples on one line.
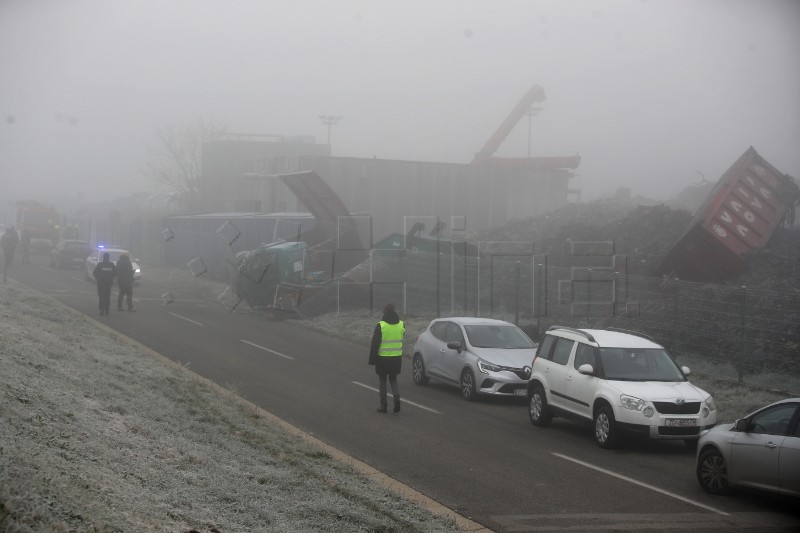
[(478, 355), (760, 451)]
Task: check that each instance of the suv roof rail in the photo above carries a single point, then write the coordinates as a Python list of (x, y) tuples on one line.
[(631, 332), (588, 336)]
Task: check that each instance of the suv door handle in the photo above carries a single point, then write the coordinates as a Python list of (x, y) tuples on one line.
[(771, 445)]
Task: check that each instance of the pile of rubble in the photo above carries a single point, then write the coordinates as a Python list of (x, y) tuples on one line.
[(643, 233)]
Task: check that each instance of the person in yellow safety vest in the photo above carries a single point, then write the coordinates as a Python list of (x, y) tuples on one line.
[(386, 353)]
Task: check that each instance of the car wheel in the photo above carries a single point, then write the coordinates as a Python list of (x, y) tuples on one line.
[(605, 427), (418, 370), (538, 411), (468, 390), (712, 472)]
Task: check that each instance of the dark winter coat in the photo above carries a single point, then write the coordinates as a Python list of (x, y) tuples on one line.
[(104, 273), (124, 271), (9, 241), (384, 365)]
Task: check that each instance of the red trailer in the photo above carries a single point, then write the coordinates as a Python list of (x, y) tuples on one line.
[(749, 201)]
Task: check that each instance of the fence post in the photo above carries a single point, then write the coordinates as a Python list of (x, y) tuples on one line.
[(589, 298), (675, 318), (743, 313), (516, 291)]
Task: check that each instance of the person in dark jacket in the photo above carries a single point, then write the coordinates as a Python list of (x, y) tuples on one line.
[(8, 242), (104, 273), (125, 281), (386, 353)]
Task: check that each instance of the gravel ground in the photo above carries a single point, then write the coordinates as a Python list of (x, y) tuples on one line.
[(97, 434)]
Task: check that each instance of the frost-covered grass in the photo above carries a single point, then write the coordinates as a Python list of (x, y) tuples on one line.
[(99, 435)]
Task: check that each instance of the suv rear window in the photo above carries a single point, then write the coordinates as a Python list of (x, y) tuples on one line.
[(562, 351), (545, 347)]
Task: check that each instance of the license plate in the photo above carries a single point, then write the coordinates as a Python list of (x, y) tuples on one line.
[(681, 422), (520, 392)]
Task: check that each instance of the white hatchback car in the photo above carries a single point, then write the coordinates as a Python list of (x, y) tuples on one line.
[(113, 252), (619, 380), (478, 355)]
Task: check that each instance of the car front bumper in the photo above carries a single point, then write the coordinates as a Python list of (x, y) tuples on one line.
[(497, 384)]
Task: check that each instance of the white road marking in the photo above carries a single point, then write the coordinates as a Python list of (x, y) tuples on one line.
[(266, 349), (404, 401), (639, 483), (186, 319)]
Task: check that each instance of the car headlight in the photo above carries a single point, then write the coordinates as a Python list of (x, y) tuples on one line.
[(632, 403), (711, 404), (137, 271), (485, 367)]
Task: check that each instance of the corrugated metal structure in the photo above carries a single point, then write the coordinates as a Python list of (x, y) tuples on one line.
[(479, 196), (740, 214)]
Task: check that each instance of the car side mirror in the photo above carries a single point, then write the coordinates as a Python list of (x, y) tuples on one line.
[(586, 368), (741, 425), (686, 371), (454, 345)]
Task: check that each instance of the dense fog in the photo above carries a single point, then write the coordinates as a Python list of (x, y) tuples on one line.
[(653, 94)]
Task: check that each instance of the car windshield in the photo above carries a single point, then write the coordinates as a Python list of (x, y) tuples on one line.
[(639, 364), (112, 255), (494, 336)]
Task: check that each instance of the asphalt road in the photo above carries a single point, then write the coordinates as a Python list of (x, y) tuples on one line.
[(482, 459)]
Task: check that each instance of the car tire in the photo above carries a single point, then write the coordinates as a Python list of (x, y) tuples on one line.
[(468, 388), (712, 472), (605, 427), (418, 370), (538, 411)]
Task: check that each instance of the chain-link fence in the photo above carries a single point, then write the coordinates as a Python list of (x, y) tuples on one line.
[(748, 330)]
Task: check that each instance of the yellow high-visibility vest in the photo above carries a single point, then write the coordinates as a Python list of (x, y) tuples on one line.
[(391, 339)]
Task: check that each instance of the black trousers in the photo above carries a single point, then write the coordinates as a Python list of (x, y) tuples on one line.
[(382, 392), (125, 291), (104, 295)]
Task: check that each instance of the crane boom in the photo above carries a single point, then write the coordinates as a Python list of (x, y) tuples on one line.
[(534, 95)]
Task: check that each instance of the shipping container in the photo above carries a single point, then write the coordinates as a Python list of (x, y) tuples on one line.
[(748, 203)]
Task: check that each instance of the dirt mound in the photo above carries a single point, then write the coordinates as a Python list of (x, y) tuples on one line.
[(643, 233)]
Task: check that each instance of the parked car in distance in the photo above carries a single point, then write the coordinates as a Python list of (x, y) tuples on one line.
[(481, 356), (619, 380), (760, 451), (69, 252), (114, 252)]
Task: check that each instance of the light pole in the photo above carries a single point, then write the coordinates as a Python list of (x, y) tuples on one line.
[(330, 120), (532, 112)]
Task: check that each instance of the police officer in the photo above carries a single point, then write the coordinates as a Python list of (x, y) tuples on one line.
[(386, 353), (125, 281), (104, 273)]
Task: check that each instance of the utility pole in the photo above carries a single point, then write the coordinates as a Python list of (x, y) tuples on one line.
[(330, 120)]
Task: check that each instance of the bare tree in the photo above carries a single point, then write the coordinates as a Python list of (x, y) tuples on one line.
[(176, 157)]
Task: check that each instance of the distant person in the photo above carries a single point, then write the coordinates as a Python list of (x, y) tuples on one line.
[(386, 353), (125, 281), (8, 242), (104, 273), (25, 242)]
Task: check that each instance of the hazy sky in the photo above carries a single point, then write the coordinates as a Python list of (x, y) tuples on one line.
[(648, 92)]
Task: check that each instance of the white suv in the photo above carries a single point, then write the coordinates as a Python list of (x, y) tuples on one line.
[(620, 380)]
